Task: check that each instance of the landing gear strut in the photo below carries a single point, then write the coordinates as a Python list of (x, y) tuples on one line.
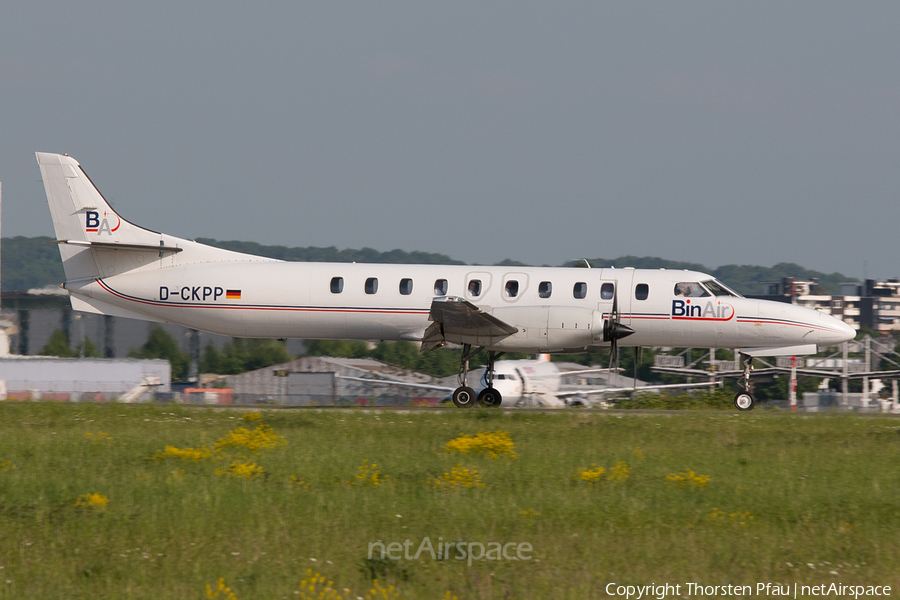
[(745, 400), (464, 396)]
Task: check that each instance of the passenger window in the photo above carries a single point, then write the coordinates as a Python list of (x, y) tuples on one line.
[(641, 291), (475, 287), (440, 287), (545, 288), (690, 289), (607, 291), (371, 285), (580, 290), (512, 288), (406, 287), (337, 285)]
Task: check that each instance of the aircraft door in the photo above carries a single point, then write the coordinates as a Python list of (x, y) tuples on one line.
[(478, 284), (616, 284)]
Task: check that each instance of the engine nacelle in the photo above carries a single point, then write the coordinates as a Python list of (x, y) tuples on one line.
[(550, 328)]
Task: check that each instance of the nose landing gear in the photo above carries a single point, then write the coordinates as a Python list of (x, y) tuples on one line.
[(745, 400)]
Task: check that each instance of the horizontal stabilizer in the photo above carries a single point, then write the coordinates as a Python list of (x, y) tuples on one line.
[(116, 246)]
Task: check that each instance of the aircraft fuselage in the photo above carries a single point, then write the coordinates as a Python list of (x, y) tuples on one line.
[(271, 299)]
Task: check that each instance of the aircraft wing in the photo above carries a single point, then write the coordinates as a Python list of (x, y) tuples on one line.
[(424, 386), (632, 389), (459, 321)]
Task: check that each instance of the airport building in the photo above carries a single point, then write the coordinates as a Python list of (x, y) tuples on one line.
[(327, 381), (83, 379), (873, 304)]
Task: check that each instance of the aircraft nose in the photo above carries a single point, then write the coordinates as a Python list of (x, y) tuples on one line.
[(835, 331)]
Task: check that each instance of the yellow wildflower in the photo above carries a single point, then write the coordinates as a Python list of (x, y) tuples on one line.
[(261, 438), (737, 518), (95, 500), (529, 513), (6, 465), (687, 478), (619, 472), (97, 437), (221, 590), (741, 518), (492, 443), (458, 477), (591, 475), (638, 453), (241, 470), (378, 591), (298, 482), (251, 416), (186, 454), (314, 586), (368, 474), (716, 514)]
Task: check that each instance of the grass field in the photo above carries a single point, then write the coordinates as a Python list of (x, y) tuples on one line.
[(86, 513)]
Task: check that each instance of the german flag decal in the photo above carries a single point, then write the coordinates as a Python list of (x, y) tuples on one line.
[(232, 294)]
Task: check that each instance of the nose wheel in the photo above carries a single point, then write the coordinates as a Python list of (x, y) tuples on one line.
[(745, 400)]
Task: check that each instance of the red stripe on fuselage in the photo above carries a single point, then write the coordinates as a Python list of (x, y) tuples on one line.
[(278, 308)]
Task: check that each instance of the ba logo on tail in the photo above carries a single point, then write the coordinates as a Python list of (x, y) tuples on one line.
[(94, 224)]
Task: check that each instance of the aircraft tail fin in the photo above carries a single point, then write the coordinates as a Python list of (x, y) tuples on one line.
[(94, 241), (79, 210)]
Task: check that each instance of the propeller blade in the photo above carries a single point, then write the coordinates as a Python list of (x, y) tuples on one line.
[(638, 350), (613, 360)]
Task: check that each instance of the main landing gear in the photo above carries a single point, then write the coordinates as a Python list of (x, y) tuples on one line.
[(745, 400), (464, 396)]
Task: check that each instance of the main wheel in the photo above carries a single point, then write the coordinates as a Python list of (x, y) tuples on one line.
[(464, 397), (490, 398), (744, 401)]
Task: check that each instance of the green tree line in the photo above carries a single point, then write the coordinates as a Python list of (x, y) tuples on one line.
[(32, 262)]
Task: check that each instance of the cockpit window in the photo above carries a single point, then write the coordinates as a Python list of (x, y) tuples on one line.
[(690, 289), (720, 289)]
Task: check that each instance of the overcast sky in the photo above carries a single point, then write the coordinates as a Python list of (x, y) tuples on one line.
[(738, 132)]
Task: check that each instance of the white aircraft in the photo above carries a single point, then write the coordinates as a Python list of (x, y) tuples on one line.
[(114, 267), (538, 383)]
